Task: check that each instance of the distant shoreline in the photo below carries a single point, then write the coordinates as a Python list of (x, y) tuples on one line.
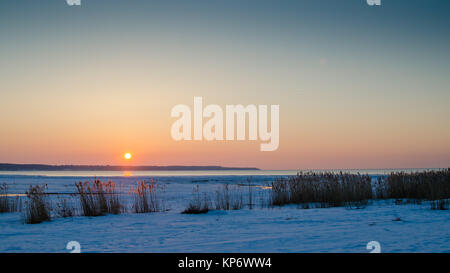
[(46, 167)]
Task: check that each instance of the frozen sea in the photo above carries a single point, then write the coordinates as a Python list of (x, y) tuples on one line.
[(397, 228)]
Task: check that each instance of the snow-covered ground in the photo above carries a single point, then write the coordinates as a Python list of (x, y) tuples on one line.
[(398, 228)]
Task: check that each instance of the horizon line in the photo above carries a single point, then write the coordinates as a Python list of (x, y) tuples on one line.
[(58, 167)]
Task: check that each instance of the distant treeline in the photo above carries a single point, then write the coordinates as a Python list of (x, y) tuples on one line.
[(43, 167)]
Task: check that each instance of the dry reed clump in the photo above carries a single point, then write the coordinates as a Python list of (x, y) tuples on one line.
[(65, 207), (38, 207), (441, 204), (323, 189), (99, 198), (199, 203), (147, 197), (433, 186), (250, 193), (229, 198), (381, 188), (265, 196), (8, 203)]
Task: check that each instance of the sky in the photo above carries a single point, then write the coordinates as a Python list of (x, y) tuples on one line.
[(358, 86)]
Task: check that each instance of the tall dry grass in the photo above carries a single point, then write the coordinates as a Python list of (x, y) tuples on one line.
[(200, 203), (147, 197), (37, 206), (324, 189), (64, 207), (99, 198), (229, 198), (9, 203), (250, 193), (433, 186)]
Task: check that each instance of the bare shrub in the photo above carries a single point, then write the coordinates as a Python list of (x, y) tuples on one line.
[(147, 197), (322, 189), (229, 198), (99, 198), (37, 205), (199, 203)]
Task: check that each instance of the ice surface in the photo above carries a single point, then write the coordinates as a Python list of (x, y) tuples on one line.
[(285, 229)]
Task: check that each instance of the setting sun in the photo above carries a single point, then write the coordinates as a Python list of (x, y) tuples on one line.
[(127, 156)]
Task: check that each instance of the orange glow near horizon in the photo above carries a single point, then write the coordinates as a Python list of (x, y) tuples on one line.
[(102, 93), (127, 173)]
